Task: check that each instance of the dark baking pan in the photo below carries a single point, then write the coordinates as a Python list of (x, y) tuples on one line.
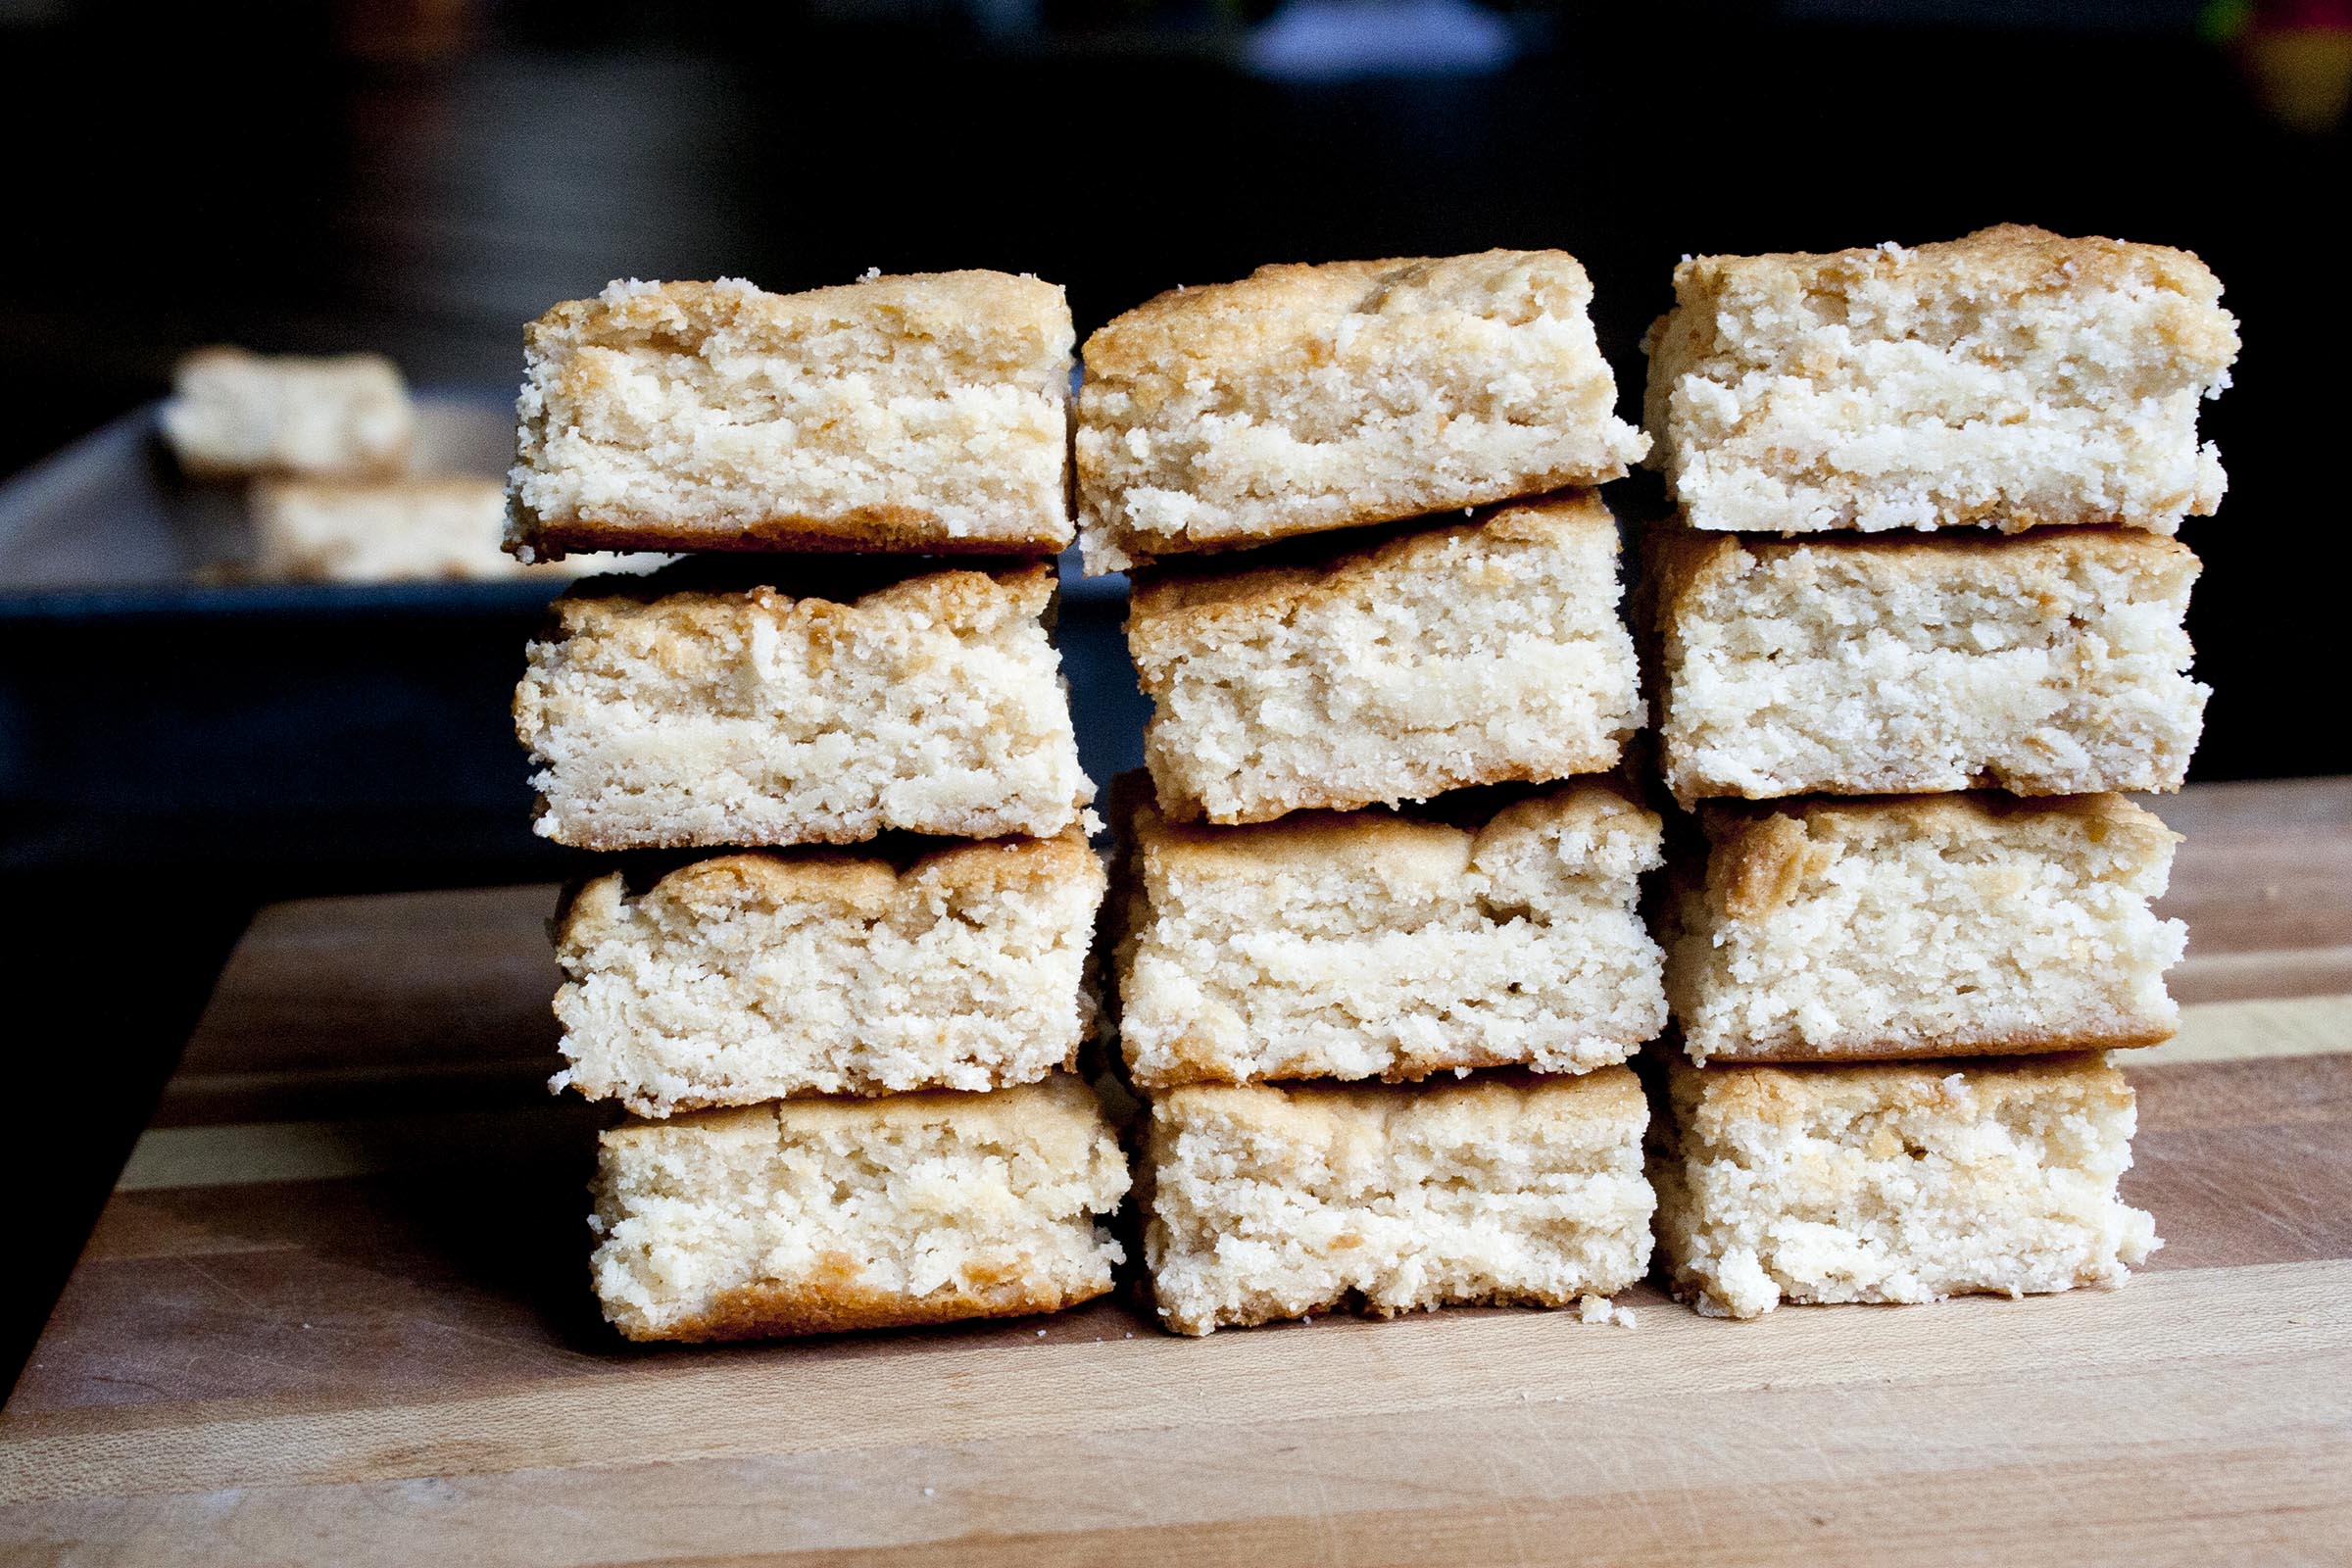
[(155, 712)]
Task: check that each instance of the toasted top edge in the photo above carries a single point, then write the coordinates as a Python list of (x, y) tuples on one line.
[(1057, 1117), (1762, 852), (1721, 1102), (1683, 561), (677, 314), (1611, 1099), (1246, 321), (857, 886), (1985, 811), (1207, 591), (2007, 257), (1377, 837), (952, 595)]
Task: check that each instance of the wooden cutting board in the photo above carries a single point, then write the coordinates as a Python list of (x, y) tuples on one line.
[(337, 1312)]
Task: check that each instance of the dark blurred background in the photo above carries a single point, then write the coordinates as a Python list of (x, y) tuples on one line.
[(421, 177)]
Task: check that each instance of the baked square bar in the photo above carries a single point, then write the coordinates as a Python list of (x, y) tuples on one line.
[(1925, 926), (1894, 1183), (759, 976), (2046, 663), (1306, 397), (1369, 945), (426, 527), (237, 416), (925, 414), (748, 719), (1483, 651), (2014, 377), (1268, 1203), (811, 1216)]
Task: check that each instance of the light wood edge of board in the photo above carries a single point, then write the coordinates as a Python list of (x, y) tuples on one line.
[(237, 1154), (1047, 1389)]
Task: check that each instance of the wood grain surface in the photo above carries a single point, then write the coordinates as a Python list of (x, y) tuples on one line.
[(337, 1312)]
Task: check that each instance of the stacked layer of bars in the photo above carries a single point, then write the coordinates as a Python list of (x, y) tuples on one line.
[(1368, 571), (1914, 889), (847, 1067)]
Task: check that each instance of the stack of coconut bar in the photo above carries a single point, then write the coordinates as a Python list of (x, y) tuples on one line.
[(847, 1067), (1367, 570), (1918, 620)]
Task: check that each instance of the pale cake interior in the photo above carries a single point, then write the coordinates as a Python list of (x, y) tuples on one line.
[(1896, 1182), (934, 706), (930, 409), (1481, 653), (2049, 665), (749, 977), (1928, 926), (1370, 946), (813, 1215), (1307, 397), (1268, 1204), (2011, 379)]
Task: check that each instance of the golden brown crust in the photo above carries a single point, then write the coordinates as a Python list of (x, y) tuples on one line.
[(1407, 1067), (1227, 322), (1182, 599), (1705, 795), (1058, 1116), (689, 629), (895, 530), (952, 596), (1711, 1103), (1316, 1111), (682, 313), (1762, 852), (836, 1305), (1427, 783), (1260, 851), (1682, 562), (2126, 1034), (1761, 866), (1727, 821), (976, 825), (860, 885), (2009, 257)]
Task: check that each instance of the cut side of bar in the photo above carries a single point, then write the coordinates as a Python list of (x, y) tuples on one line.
[(1896, 1183), (816, 1215), (2046, 663), (2011, 379), (1270, 1202), (1484, 652), (1369, 945), (1923, 926), (1308, 398), (759, 976), (933, 705), (925, 414)]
